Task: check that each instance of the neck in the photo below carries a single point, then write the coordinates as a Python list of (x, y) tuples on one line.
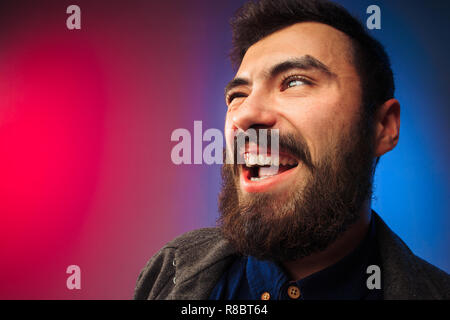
[(346, 243)]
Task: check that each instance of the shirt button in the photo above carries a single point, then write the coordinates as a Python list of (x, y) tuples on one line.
[(293, 292), (265, 296)]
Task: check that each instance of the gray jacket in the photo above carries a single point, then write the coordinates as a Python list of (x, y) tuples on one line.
[(190, 266)]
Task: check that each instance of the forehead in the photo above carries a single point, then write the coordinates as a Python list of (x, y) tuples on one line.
[(327, 44)]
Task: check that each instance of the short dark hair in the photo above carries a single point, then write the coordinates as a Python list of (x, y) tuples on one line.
[(256, 20)]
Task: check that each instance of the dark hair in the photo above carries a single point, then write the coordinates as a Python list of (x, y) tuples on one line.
[(256, 20)]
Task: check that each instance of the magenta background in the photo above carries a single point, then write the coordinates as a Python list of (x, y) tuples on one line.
[(85, 122)]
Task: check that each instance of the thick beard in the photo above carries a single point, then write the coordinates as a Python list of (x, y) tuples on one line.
[(310, 219)]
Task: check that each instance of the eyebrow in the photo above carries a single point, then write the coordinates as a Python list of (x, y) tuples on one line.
[(236, 82), (306, 62)]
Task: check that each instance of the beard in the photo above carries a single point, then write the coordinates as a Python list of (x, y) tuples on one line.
[(307, 219)]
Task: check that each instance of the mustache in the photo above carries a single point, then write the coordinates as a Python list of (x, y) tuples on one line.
[(294, 145)]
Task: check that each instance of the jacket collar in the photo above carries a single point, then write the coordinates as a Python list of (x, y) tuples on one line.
[(200, 264)]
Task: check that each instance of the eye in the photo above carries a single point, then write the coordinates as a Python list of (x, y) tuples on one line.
[(235, 95), (294, 81)]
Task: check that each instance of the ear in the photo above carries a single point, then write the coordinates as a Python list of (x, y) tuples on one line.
[(387, 127)]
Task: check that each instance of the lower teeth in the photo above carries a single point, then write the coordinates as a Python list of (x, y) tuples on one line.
[(258, 179)]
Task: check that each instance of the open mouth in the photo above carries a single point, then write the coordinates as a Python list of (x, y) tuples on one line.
[(261, 167)]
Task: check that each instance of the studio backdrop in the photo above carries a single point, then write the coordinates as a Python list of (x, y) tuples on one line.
[(88, 105)]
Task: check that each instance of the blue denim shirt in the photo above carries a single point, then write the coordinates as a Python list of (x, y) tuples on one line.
[(249, 278)]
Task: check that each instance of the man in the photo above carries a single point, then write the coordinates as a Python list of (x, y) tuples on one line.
[(309, 71)]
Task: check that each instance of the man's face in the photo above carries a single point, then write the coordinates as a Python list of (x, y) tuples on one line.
[(319, 106), (302, 81)]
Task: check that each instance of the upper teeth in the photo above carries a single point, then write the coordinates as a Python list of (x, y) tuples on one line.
[(266, 160)]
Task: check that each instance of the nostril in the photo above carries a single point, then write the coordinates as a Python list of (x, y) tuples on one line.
[(259, 126)]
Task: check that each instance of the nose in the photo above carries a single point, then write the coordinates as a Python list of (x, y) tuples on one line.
[(254, 112)]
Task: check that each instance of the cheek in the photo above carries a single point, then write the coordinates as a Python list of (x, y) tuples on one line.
[(229, 132), (321, 122)]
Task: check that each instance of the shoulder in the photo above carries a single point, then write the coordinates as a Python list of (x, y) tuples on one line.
[(406, 275), (438, 279), (182, 258), (195, 238)]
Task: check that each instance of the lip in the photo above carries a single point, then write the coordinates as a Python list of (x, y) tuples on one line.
[(269, 183)]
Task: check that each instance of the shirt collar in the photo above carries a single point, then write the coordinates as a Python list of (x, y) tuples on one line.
[(264, 276), (346, 279)]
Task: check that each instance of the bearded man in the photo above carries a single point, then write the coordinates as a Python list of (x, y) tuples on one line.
[(300, 225)]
